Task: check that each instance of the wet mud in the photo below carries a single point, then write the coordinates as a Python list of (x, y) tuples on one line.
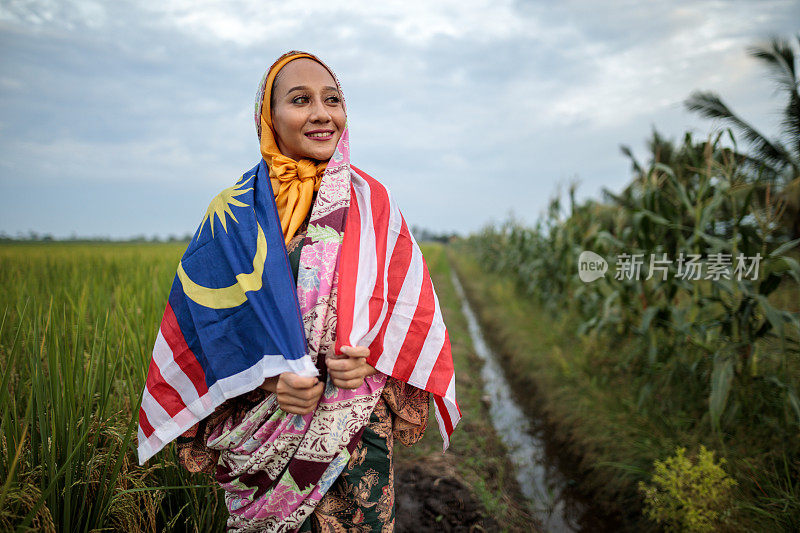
[(429, 498)]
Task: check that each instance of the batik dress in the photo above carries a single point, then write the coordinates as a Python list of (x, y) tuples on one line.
[(362, 498)]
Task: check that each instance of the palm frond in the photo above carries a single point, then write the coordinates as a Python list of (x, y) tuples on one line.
[(779, 57), (709, 105), (790, 126)]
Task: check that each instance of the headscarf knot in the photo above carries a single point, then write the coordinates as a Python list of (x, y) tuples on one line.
[(286, 169)]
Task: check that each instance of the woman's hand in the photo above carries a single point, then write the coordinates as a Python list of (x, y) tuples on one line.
[(349, 370), (297, 395)]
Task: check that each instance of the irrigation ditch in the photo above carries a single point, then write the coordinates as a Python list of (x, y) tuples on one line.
[(547, 477)]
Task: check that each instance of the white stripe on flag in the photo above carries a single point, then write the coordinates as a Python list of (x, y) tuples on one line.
[(393, 229), (156, 414), (442, 431), (140, 435), (367, 263), (430, 350), (451, 412), (434, 341), (171, 372), (450, 402), (402, 314)]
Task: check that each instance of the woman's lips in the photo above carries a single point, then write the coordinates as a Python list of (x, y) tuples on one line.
[(320, 135)]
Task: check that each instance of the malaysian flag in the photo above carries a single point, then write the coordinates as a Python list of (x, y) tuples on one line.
[(233, 318), (387, 301)]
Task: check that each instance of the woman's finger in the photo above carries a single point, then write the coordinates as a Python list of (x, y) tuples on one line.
[(347, 374), (351, 383), (312, 395), (296, 402), (348, 383), (343, 365), (301, 395), (292, 407), (304, 393), (296, 381), (302, 399), (355, 351)]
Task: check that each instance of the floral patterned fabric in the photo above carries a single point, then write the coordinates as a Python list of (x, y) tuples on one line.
[(329, 470), (362, 498)]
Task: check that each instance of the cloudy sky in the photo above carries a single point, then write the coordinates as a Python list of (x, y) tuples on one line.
[(123, 118)]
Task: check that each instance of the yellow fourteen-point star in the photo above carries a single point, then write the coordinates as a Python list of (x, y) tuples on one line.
[(221, 205)]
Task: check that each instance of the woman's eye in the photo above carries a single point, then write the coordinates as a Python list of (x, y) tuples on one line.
[(300, 100), (333, 99)]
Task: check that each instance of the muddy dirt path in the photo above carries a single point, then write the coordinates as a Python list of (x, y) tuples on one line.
[(430, 498)]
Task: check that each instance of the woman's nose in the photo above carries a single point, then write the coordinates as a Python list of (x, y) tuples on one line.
[(319, 113)]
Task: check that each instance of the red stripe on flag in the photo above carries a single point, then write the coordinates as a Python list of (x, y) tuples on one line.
[(364, 175), (398, 267), (348, 269), (442, 371), (144, 423), (181, 353), (418, 329), (164, 393), (381, 212), (444, 413), (396, 274)]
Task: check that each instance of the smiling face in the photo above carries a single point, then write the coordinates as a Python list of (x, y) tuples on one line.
[(307, 112)]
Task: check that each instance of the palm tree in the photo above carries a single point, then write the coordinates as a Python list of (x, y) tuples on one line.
[(773, 162)]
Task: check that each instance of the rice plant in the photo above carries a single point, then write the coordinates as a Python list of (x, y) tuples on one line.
[(78, 323)]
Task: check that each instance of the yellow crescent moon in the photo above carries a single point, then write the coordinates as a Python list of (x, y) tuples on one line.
[(234, 295)]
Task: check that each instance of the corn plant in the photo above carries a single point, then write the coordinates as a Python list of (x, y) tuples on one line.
[(692, 199)]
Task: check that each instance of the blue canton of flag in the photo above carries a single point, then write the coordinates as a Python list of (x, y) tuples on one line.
[(232, 318)]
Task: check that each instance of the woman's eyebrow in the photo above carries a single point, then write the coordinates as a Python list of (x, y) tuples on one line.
[(305, 88)]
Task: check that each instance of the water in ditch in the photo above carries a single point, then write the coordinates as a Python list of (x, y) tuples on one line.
[(539, 478)]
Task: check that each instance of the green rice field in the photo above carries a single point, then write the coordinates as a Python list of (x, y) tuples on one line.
[(78, 325), (77, 329)]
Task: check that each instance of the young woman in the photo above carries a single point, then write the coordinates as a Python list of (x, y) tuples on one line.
[(310, 447)]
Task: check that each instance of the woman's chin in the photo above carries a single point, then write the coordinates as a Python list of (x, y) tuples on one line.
[(320, 154)]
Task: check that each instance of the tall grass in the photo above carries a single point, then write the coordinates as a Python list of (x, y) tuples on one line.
[(78, 324)]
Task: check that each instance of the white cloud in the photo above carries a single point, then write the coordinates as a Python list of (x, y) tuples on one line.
[(414, 22), (466, 100), (67, 15)]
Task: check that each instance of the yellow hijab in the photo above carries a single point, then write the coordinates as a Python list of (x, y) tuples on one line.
[(293, 182)]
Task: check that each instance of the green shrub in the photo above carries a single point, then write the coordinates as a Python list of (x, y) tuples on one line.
[(686, 495)]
